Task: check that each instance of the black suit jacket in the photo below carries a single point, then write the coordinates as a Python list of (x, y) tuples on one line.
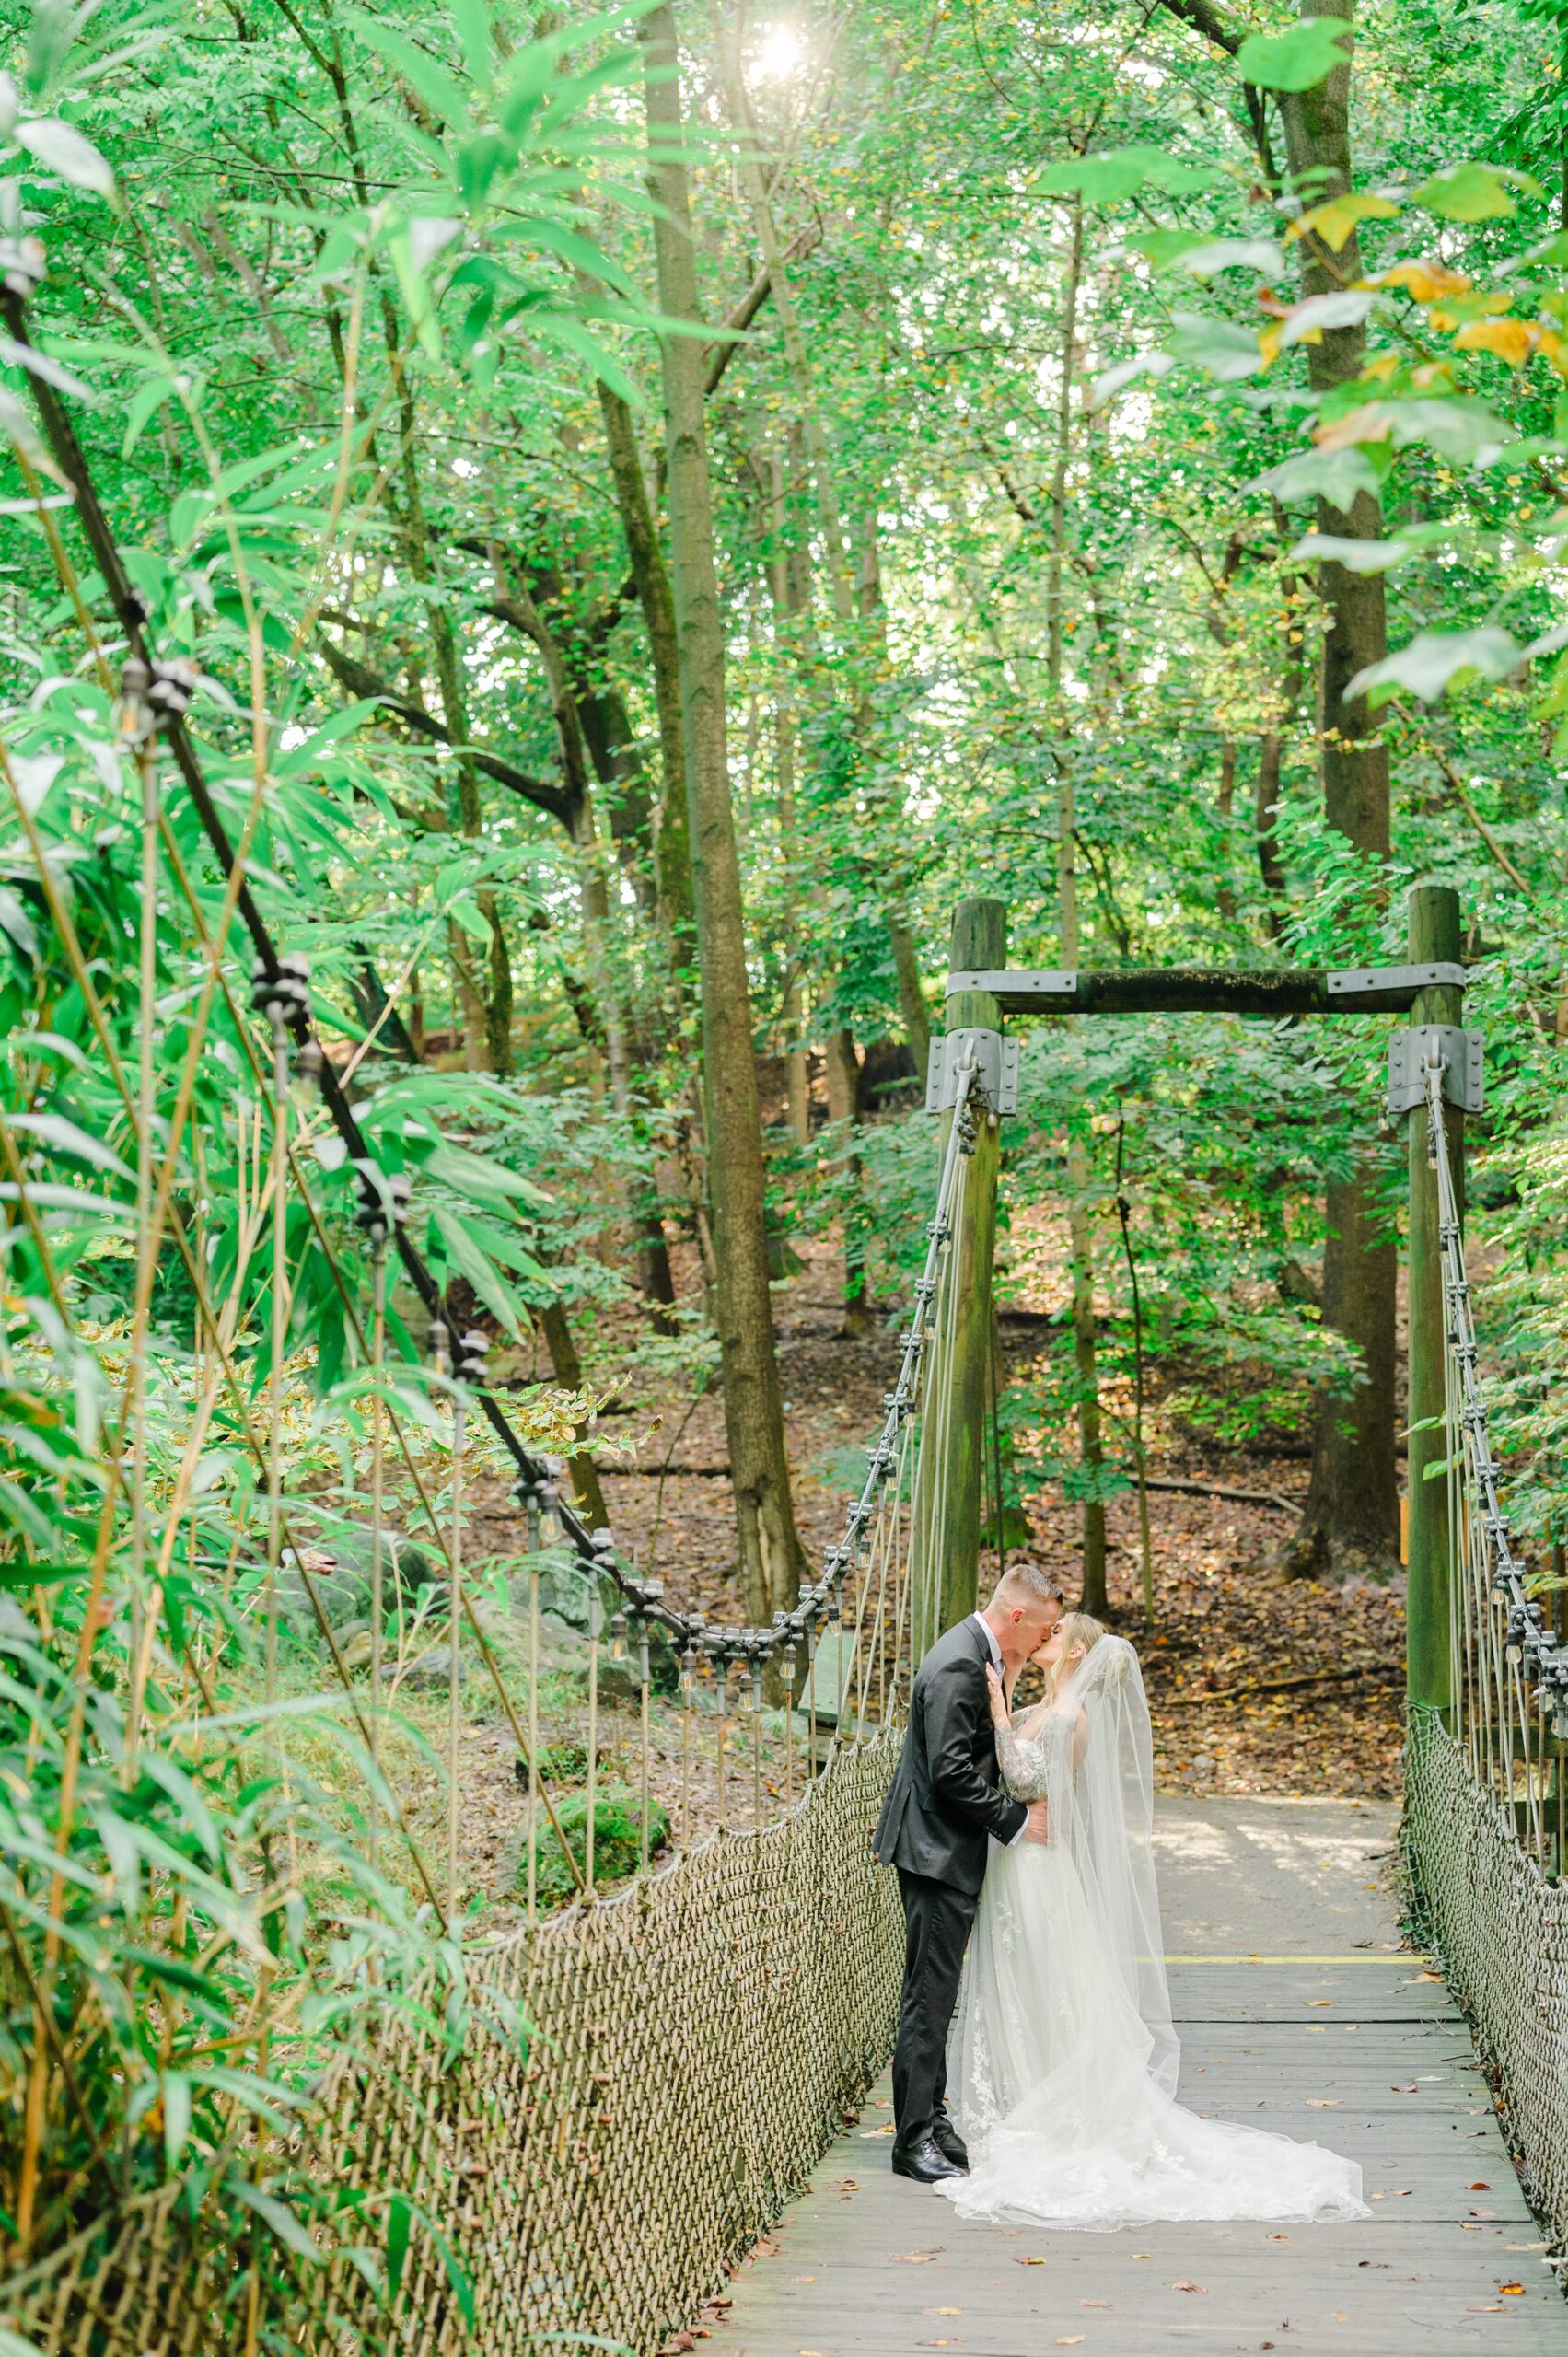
[(945, 1796)]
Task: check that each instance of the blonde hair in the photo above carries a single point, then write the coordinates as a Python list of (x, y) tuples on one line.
[(1079, 1631)]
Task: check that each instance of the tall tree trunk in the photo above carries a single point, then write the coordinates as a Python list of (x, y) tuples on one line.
[(782, 581), (906, 961), (753, 1403), (656, 596), (1080, 1234), (841, 579), (1352, 1516), (654, 1276)]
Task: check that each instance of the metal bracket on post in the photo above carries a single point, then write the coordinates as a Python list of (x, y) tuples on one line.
[(1459, 1054), (1017, 983), (995, 1061), (1372, 981)]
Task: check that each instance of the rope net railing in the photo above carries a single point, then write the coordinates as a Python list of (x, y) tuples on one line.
[(573, 2129), (1484, 1796)]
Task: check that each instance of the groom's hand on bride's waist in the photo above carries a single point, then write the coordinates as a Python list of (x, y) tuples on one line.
[(1037, 1824)]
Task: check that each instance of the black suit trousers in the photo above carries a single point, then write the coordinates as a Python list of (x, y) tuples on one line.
[(937, 1924)]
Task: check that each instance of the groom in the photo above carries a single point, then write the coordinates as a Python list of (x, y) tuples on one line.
[(944, 1804)]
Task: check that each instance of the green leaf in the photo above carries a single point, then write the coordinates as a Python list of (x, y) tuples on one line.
[(1334, 475), (176, 2090), (60, 149), (1228, 353), (1434, 659), (278, 2216), (472, 20), (1356, 556), (480, 1271), (442, 93), (1198, 251), (1321, 311), (1473, 192), (301, 758), (65, 1137), (399, 2221), (21, 1574), (1297, 60), (1106, 180), (143, 405), (469, 1173), (465, 910)]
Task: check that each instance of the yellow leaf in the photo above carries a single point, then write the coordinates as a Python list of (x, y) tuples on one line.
[(1335, 220), (1426, 281), (1511, 340), (1370, 423)]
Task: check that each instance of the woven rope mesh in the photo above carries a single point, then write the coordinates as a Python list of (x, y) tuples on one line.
[(1500, 1928), (695, 2043)]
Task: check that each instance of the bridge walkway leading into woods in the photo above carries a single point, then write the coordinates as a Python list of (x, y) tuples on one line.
[(696, 2038), (1298, 2010)]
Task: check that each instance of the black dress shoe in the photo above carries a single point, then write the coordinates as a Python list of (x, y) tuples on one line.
[(947, 2141), (925, 2162)]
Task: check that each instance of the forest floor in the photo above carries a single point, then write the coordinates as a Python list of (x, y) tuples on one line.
[(1257, 1685)]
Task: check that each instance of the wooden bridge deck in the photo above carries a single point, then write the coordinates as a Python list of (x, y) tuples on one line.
[(1296, 2012)]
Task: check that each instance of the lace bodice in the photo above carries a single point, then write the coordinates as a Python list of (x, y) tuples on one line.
[(1027, 1762)]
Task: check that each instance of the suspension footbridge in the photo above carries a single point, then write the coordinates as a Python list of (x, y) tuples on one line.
[(646, 2083)]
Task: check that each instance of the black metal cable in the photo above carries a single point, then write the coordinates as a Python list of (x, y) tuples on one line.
[(535, 1476)]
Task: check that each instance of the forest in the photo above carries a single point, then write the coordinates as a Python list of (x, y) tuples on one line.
[(620, 522)]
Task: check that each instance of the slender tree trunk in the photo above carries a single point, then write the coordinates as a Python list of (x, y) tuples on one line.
[(1224, 891), (656, 596), (843, 1105), (753, 1403), (789, 581), (1266, 803), (911, 1003), (1352, 1516), (783, 577), (1080, 1234), (906, 961), (568, 1370), (654, 1276)]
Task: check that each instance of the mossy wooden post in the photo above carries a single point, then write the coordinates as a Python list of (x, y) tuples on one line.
[(1433, 939), (979, 945)]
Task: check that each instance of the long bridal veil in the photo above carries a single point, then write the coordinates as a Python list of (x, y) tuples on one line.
[(1101, 1794)]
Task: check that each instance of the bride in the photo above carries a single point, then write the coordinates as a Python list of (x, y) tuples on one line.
[(1062, 2062)]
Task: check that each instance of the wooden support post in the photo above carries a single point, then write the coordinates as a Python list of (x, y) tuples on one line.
[(979, 942), (1434, 919)]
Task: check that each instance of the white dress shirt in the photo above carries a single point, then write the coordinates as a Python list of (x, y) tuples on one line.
[(989, 1634)]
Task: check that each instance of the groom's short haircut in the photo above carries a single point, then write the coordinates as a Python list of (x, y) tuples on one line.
[(1026, 1583)]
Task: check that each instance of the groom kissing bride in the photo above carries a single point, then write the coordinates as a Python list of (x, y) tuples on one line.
[(1033, 1997)]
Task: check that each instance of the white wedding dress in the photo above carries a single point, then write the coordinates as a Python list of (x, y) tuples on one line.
[(1063, 2062)]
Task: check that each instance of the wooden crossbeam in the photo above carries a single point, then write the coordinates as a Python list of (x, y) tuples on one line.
[(1216, 990)]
